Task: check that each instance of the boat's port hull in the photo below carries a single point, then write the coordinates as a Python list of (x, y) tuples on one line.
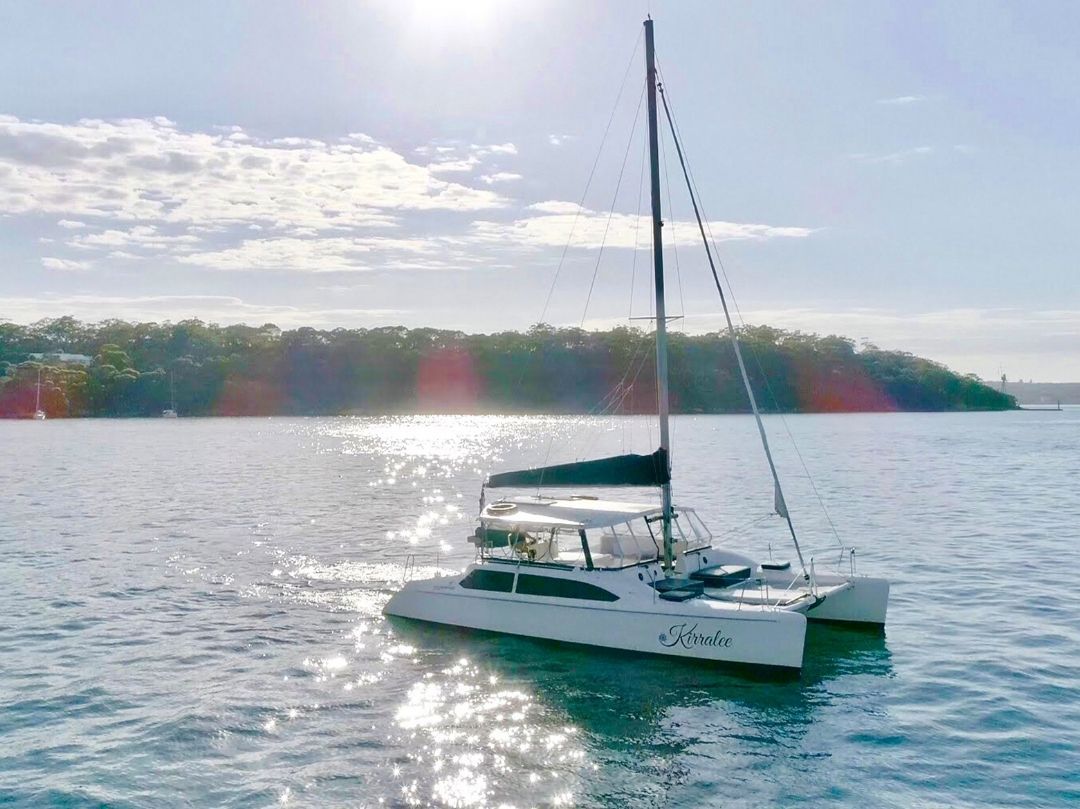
[(865, 601), (698, 630)]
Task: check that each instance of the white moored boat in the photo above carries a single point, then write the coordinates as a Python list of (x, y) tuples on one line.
[(642, 578), (170, 411), (39, 414)]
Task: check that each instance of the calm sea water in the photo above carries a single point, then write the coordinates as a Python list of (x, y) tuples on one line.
[(190, 616)]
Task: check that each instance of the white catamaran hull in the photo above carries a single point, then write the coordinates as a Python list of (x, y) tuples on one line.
[(864, 601), (699, 629)]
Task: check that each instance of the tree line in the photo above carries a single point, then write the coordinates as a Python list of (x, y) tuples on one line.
[(135, 369)]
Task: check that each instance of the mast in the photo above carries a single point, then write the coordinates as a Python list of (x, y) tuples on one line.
[(661, 312), (37, 401)]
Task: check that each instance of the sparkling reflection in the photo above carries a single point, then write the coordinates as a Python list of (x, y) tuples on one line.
[(478, 742), (500, 722)]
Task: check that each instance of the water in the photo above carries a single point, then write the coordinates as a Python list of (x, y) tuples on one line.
[(191, 617)]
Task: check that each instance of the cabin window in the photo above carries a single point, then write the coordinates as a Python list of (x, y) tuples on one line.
[(494, 580), (562, 588)]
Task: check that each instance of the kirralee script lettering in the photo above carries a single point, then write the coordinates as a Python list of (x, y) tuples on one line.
[(690, 638)]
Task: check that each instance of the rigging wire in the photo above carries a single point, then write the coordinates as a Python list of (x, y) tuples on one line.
[(675, 250), (592, 173), (612, 396), (633, 266), (580, 208), (637, 224), (671, 222), (611, 212), (778, 494), (692, 181), (741, 528), (617, 395)]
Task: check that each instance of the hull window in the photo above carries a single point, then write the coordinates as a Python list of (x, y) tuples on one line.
[(562, 588), (495, 580)]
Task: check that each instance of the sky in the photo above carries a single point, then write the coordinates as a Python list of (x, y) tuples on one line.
[(904, 174)]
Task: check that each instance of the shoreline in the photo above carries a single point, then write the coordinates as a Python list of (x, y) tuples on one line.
[(513, 413)]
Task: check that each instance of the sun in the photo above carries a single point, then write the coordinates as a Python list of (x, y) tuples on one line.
[(431, 29), (437, 18)]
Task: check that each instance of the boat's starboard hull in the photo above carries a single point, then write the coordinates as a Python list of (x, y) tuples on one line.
[(865, 601)]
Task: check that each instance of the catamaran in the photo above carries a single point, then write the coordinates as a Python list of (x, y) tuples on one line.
[(639, 577)]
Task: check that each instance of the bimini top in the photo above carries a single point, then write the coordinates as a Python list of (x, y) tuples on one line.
[(572, 513)]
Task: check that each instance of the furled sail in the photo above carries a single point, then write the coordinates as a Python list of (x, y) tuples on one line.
[(619, 470)]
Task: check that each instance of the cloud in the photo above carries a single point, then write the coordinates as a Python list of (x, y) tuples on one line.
[(500, 177), (435, 150), (893, 158), (464, 165), (152, 171), (591, 229), (133, 190), (455, 157), (146, 237), (556, 206), (212, 308), (51, 263), (151, 188), (495, 148), (901, 100), (325, 255), (559, 140)]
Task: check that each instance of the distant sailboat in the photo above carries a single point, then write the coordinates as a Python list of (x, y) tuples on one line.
[(170, 412), (39, 414)]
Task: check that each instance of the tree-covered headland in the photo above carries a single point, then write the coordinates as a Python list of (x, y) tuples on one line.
[(127, 369)]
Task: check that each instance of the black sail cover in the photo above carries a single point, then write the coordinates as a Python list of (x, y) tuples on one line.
[(619, 470)]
